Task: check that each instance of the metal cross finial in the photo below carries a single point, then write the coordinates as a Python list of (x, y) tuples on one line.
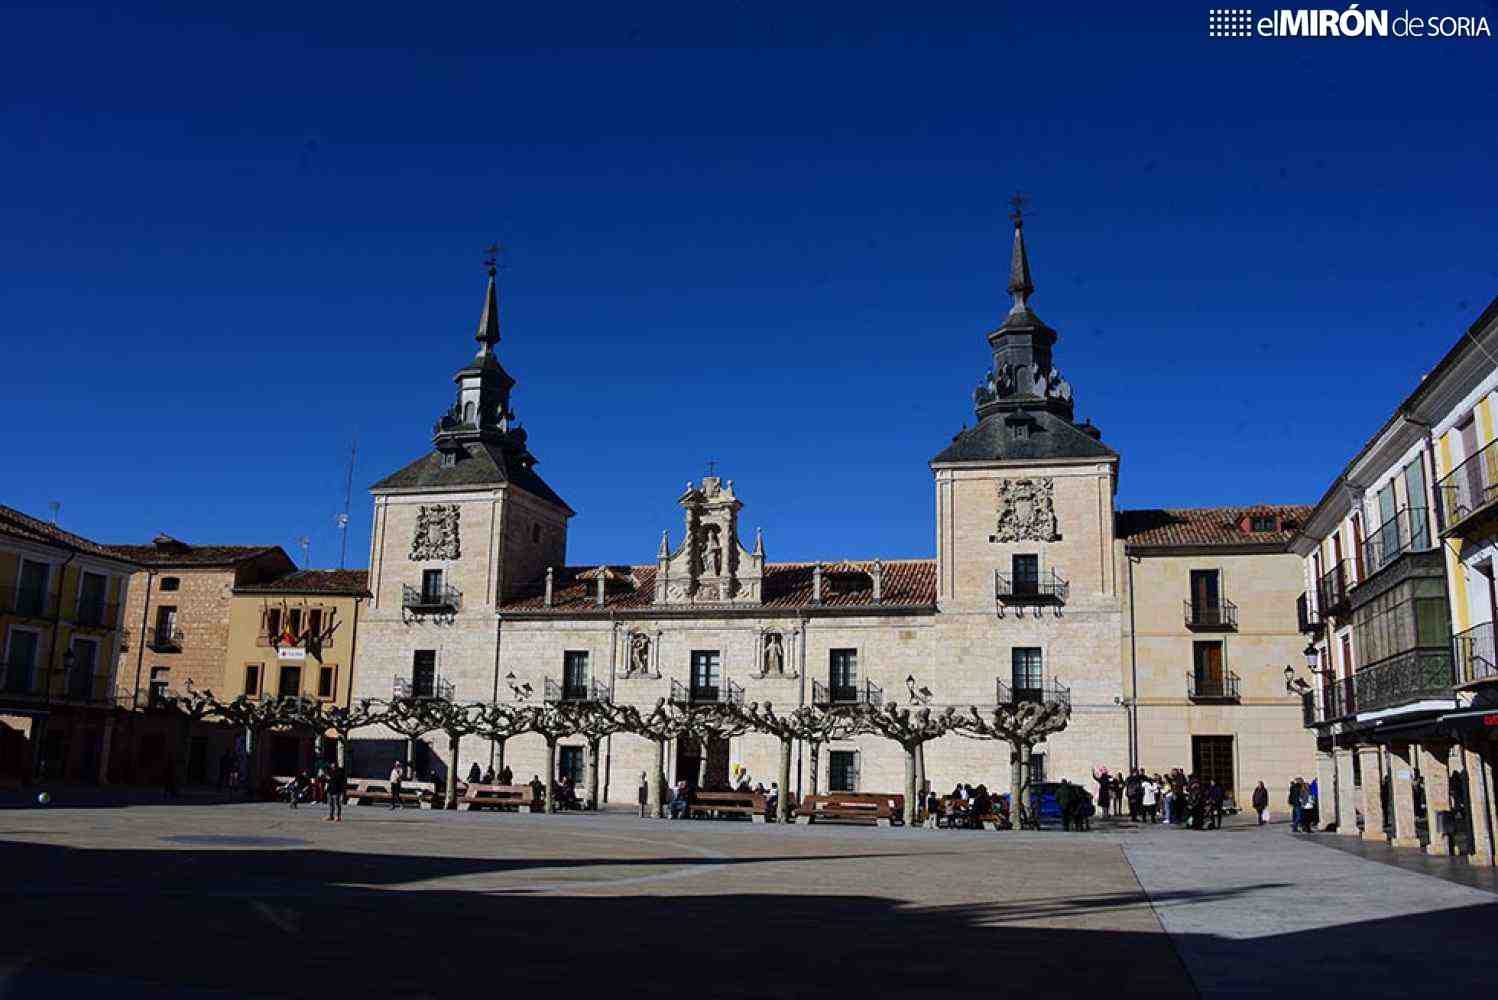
[(1018, 202), (491, 257), (712, 467)]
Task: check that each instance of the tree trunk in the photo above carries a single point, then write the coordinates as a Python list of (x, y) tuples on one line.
[(920, 770), (343, 751), (783, 802), (593, 773), (910, 788), (450, 799), (499, 763), (1016, 784), (551, 774), (251, 749), (1024, 778), (816, 751), (657, 797)]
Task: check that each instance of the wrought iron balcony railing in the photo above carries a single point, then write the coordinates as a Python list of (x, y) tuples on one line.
[(590, 691), (1476, 661), (1222, 615), (1046, 588), (1047, 692), (29, 602), (1308, 615), (1469, 489), (1340, 701), (725, 693), (1407, 531), (1332, 589), (431, 600), (437, 688), (165, 640), (867, 693), (1212, 687), (1411, 676)]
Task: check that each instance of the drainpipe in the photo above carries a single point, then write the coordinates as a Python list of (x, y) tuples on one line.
[(1133, 704)]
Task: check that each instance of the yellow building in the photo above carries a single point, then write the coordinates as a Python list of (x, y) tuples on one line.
[(60, 633), (294, 636)]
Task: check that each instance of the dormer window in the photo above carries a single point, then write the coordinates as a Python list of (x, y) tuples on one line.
[(1261, 523), (449, 459), (170, 583)]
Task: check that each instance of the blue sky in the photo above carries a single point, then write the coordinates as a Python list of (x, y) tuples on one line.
[(771, 237)]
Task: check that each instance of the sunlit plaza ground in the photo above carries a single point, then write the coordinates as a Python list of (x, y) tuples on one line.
[(183, 899)]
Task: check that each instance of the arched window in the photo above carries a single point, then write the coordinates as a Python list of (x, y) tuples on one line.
[(467, 413)]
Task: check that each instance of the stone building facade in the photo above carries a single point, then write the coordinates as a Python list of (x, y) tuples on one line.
[(1025, 598)]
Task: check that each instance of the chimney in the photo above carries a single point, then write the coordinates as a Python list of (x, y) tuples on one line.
[(878, 575), (550, 572), (816, 584), (603, 576)]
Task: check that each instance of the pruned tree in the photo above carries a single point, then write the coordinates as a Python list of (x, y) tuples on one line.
[(412, 718), (552, 723), (457, 721), (501, 721), (1021, 726), (256, 716), (595, 721), (912, 730), (813, 724)]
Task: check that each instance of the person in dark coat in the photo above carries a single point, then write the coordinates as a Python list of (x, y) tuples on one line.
[(1066, 800), (337, 788), (1260, 802), (475, 776)]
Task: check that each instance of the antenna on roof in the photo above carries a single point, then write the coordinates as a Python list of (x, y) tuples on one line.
[(54, 506), (348, 493), (306, 544)]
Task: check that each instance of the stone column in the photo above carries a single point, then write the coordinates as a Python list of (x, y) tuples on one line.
[(1435, 768), (1326, 788), (1371, 764), (1347, 795), (1401, 768), (1481, 803), (655, 796)]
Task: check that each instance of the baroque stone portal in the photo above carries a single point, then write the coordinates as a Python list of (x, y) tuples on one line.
[(436, 532), (1027, 511)]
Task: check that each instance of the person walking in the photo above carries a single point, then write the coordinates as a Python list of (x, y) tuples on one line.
[(299, 786), (1215, 797), (1149, 800), (397, 773), (1260, 802), (1134, 790), (644, 794), (1104, 788), (337, 788), (1296, 796)]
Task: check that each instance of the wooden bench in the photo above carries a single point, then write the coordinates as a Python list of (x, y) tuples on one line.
[(882, 810), (707, 804), (994, 819), (521, 798), (367, 791)]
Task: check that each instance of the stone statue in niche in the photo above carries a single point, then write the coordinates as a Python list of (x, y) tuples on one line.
[(1027, 511), (436, 532), (774, 658), (712, 551), (639, 655)]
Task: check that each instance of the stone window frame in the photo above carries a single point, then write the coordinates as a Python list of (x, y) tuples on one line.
[(36, 659), (330, 670), (259, 686)]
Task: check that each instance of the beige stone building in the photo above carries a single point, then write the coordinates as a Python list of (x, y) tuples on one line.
[(177, 612), (1027, 597)]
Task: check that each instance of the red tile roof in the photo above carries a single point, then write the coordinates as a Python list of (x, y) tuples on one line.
[(165, 550), (1208, 526), (28, 528), (907, 583), (354, 582)]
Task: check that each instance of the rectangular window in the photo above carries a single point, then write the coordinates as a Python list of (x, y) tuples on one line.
[(294, 622), (1207, 669), (166, 623), (574, 675), (1206, 597), (570, 764), (1026, 570), (1414, 491), (91, 597), (843, 674), (314, 622), (1027, 673), (273, 623), (31, 592), (1262, 523), (20, 660), (252, 679), (161, 678), (705, 674), (423, 673), (85, 663), (431, 586), (1037, 768), (843, 771), (327, 679), (291, 682)]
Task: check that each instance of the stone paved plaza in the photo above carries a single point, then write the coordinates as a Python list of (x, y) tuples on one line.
[(257, 900)]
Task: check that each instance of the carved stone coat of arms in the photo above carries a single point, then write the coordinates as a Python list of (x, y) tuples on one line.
[(436, 532), (1027, 511)]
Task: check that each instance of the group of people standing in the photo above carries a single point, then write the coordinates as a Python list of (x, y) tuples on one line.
[(1192, 801)]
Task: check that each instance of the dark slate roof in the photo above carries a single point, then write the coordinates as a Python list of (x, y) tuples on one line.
[(353, 582), (907, 583), (165, 550), (28, 528), (1208, 526), (485, 465), (1050, 436)]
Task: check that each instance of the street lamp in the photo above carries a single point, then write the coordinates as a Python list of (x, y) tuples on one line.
[(1313, 658)]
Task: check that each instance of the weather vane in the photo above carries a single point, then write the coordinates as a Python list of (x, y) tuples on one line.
[(1018, 203), (712, 467), (491, 257)]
